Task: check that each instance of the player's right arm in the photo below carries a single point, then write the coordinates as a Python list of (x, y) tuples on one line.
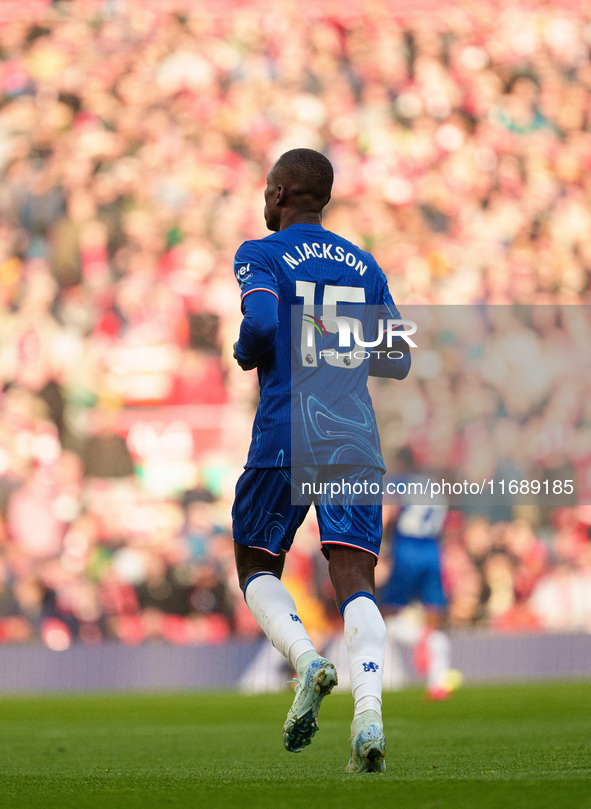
[(260, 307), (258, 329)]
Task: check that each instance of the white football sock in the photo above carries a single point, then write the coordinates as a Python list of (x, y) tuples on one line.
[(275, 612), (439, 651), (365, 638), (303, 661)]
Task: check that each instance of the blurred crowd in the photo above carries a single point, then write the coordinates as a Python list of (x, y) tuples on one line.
[(135, 139)]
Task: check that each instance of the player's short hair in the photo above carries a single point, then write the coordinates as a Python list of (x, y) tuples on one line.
[(311, 170)]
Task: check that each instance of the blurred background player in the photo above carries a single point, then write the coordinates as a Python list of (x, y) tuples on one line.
[(302, 260), (414, 533)]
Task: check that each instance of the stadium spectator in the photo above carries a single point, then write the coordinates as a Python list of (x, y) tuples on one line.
[(133, 145)]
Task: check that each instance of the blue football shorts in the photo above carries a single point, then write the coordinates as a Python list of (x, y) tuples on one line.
[(266, 512), (416, 574)]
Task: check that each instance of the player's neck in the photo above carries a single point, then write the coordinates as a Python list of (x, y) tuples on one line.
[(290, 218)]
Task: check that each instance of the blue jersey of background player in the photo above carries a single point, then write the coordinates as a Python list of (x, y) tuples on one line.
[(416, 559), (303, 266), (415, 531)]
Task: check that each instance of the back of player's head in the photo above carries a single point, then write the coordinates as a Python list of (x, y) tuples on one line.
[(309, 173)]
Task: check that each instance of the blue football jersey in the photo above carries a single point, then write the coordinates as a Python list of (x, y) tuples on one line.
[(333, 300), (416, 558), (416, 521)]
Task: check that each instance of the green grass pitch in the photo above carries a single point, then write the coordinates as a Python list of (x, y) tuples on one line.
[(514, 746)]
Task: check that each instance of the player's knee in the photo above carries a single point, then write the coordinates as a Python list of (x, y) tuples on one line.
[(351, 571), (253, 561)]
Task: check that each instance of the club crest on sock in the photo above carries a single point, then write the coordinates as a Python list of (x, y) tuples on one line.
[(370, 666)]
